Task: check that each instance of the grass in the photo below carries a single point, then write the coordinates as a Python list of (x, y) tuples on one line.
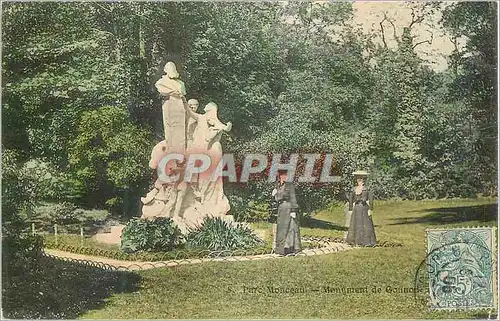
[(55, 289), (77, 241), (241, 289)]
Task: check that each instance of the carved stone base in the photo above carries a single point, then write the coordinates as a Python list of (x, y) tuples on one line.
[(111, 237), (164, 202)]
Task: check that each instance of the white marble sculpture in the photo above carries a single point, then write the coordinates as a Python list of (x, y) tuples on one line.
[(160, 201), (207, 135), (191, 122), (186, 131), (173, 90)]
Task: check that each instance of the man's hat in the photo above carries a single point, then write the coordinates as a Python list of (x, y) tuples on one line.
[(360, 173)]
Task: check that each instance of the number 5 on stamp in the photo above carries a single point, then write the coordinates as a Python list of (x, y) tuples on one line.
[(461, 266)]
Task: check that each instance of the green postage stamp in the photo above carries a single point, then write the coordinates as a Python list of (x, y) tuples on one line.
[(461, 268)]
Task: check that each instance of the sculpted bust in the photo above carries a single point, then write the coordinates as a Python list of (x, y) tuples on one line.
[(170, 84), (174, 116)]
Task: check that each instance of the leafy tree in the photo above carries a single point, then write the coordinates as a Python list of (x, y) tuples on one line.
[(322, 108), (80, 105), (15, 196), (235, 61), (55, 65), (476, 77), (110, 155), (400, 113), (20, 249)]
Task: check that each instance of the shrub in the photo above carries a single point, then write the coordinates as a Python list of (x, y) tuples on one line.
[(158, 235), (215, 234), (68, 217), (384, 182), (249, 202), (20, 249), (48, 214), (239, 206), (312, 197), (248, 211), (111, 155), (21, 255), (91, 215), (45, 183), (253, 206)]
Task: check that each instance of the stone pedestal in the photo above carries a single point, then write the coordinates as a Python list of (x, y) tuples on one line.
[(111, 237), (174, 119)]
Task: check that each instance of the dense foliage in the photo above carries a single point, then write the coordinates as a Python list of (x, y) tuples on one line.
[(81, 114), (215, 234), (474, 84), (158, 235), (68, 218), (20, 250)]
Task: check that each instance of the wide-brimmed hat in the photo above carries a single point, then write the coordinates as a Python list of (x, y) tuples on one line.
[(360, 173)]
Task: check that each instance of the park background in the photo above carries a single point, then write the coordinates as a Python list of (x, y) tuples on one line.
[(408, 94)]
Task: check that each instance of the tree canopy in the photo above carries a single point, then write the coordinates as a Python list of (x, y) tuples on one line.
[(78, 94)]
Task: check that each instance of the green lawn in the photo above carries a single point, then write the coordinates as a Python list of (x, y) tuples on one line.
[(76, 241), (88, 246), (240, 290)]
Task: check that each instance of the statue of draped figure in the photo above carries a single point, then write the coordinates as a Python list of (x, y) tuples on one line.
[(186, 132), (206, 140)]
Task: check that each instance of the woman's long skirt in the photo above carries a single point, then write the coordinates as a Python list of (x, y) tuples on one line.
[(361, 231), (287, 232)]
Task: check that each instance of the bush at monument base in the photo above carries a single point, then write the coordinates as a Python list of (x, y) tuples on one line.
[(215, 234), (159, 235)]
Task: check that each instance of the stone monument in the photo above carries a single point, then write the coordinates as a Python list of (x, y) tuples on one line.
[(173, 91), (185, 132)]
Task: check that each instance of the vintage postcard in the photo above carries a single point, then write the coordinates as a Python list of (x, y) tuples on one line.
[(249, 160)]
